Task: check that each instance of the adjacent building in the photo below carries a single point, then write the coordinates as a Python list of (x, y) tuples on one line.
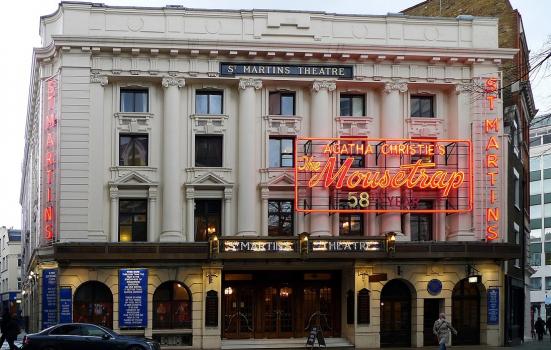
[(10, 270), (540, 215), (218, 178)]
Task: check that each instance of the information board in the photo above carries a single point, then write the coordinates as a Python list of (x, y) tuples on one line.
[(493, 306), (133, 298), (49, 297), (65, 305)]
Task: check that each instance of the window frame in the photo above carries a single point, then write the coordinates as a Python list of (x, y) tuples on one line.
[(133, 214), (134, 90), (201, 210), (133, 135), (209, 93), (422, 97), (281, 154), (350, 97), (349, 220), (218, 163), (416, 216), (172, 322), (282, 93), (281, 217)]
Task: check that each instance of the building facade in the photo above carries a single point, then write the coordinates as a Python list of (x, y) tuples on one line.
[(10, 276), (217, 178), (540, 215), (519, 109)]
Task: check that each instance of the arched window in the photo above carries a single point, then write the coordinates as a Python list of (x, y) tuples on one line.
[(172, 306), (94, 304)]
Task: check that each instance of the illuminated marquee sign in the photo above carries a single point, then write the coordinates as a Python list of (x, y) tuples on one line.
[(291, 245), (358, 174), (49, 159), (491, 163), (306, 70)]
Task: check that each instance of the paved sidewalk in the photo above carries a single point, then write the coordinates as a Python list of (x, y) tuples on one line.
[(529, 345)]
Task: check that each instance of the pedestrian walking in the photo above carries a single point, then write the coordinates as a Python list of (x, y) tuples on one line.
[(540, 328), (10, 329), (442, 329), (548, 323)]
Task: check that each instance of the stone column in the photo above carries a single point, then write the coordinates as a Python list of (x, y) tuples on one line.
[(321, 125), (172, 209), (265, 195), (227, 229), (392, 122), (190, 214), (152, 234), (460, 128), (246, 150), (114, 220), (96, 162)]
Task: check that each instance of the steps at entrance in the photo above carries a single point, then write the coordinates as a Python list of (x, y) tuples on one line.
[(288, 343)]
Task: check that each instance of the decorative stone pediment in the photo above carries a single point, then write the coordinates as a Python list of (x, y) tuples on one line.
[(282, 180), (425, 127), (208, 179), (133, 178)]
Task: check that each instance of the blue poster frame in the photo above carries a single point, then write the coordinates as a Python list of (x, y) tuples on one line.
[(49, 298), (133, 298), (65, 305), (493, 306)]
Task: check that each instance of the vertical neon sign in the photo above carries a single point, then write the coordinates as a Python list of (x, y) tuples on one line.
[(49, 159), (491, 162)]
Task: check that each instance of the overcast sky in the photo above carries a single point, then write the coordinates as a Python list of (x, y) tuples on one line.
[(19, 22)]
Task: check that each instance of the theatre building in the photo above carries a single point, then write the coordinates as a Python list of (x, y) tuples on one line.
[(236, 179)]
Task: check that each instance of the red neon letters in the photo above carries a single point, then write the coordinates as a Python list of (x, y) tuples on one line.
[(491, 128), (49, 149)]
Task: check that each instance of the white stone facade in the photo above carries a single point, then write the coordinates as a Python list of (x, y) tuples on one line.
[(96, 50)]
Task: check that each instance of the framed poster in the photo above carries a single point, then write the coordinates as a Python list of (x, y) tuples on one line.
[(133, 298)]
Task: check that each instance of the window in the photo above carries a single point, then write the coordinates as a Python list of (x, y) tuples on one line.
[(421, 224), (280, 218), (67, 329), (546, 161), (19, 261), (535, 187), (547, 283), (535, 259), (133, 149), (516, 179), (93, 331), (422, 106), (547, 249), (18, 283), (359, 160), (515, 133), (535, 199), (352, 105), (171, 306), (208, 216), (535, 164), (535, 283), (535, 211), (282, 103), (93, 303), (547, 235), (281, 152), (208, 102), (350, 224), (132, 220), (208, 150), (134, 100), (535, 141), (546, 139)]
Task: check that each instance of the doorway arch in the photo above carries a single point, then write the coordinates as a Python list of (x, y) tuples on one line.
[(466, 312), (396, 302), (94, 304)]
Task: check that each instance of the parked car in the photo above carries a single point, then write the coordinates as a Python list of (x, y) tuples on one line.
[(84, 336)]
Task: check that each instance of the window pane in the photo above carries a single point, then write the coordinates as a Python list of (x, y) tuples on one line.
[(547, 259), (535, 259), (535, 283), (215, 103), (535, 248), (201, 104), (358, 106), (345, 106), (127, 101), (535, 223), (208, 215), (274, 103), (535, 163), (547, 236), (275, 149), (535, 199), (546, 161), (133, 150), (280, 218), (535, 187), (141, 101), (208, 151), (426, 108), (535, 175), (287, 146), (132, 220), (535, 211), (422, 106), (547, 247), (547, 283), (288, 104)]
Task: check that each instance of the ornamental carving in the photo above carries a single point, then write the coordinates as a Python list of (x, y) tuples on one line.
[(463, 88), (97, 78), (250, 82), (173, 81), (399, 86), (324, 84)]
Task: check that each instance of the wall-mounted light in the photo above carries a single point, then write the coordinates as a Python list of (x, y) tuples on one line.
[(391, 242), (303, 242), (214, 245), (475, 279), (473, 275)]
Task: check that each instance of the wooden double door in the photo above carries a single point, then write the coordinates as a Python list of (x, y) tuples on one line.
[(280, 305)]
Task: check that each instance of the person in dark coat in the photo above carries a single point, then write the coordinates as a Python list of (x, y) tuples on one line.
[(548, 323), (540, 328), (10, 329)]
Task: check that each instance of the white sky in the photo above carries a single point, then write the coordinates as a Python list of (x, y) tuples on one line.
[(19, 22)]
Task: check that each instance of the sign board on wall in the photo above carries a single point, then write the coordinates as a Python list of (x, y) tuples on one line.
[(65, 305), (383, 175), (493, 306), (49, 298), (133, 298), (281, 70)]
